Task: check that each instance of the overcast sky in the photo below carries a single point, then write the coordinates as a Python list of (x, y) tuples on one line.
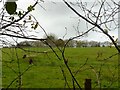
[(57, 17)]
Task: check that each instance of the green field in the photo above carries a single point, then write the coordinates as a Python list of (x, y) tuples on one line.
[(45, 71)]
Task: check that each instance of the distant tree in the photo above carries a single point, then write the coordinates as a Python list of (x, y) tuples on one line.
[(60, 43), (51, 39), (107, 43), (98, 45), (79, 43), (70, 43), (84, 43), (94, 44), (103, 45), (24, 44), (38, 44)]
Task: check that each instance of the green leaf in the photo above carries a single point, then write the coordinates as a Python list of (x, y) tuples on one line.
[(29, 18), (12, 18), (20, 14), (106, 31), (11, 7), (24, 21), (32, 27), (30, 8), (36, 25)]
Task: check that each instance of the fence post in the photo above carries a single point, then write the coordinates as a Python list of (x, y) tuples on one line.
[(88, 84)]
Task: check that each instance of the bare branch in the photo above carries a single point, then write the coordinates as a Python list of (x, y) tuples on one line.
[(21, 37), (19, 76), (100, 11)]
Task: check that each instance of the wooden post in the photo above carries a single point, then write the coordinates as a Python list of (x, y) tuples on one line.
[(88, 84)]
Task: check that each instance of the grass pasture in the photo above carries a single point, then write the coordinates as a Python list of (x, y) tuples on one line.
[(46, 73)]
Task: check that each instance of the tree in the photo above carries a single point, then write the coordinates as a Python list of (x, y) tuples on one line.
[(59, 43), (69, 43), (94, 44), (51, 39), (38, 44), (24, 44)]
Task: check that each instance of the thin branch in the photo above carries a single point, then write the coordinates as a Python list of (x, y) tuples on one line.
[(19, 70), (81, 67), (97, 75), (100, 11), (110, 56), (21, 37), (18, 76)]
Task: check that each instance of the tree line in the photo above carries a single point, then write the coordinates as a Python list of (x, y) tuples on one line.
[(53, 41)]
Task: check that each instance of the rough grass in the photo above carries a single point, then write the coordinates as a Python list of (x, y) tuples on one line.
[(45, 71)]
